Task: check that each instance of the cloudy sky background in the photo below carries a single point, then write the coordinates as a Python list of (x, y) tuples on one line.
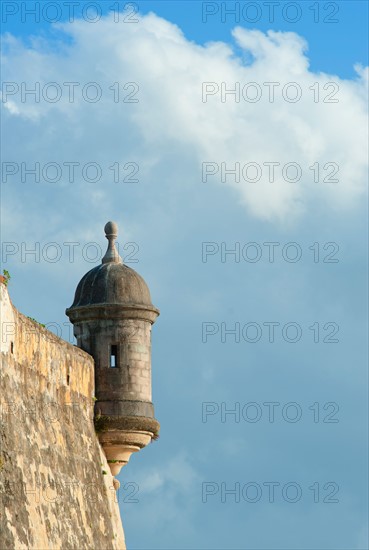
[(170, 212)]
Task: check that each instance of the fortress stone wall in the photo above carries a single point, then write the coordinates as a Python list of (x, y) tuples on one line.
[(55, 483)]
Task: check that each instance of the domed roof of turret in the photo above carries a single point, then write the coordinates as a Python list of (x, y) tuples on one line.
[(112, 282)]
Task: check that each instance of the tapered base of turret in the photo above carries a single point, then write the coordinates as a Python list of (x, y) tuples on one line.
[(120, 437), (119, 446)]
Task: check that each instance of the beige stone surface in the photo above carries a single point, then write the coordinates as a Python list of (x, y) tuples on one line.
[(56, 487)]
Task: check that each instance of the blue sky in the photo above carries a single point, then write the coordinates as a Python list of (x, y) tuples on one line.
[(182, 215), (335, 31)]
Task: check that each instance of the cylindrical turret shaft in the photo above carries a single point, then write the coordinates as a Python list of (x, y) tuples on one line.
[(112, 316)]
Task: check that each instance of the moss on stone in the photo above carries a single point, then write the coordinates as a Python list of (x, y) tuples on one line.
[(105, 423)]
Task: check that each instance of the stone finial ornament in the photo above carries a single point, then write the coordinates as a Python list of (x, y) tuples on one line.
[(111, 233)]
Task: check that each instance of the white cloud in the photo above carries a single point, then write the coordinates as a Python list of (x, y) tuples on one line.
[(168, 495), (177, 474), (171, 116)]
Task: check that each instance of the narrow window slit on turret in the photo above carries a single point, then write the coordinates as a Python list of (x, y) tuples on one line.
[(114, 356)]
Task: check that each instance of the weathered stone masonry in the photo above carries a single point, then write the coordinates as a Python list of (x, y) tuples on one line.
[(56, 487), (70, 419)]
